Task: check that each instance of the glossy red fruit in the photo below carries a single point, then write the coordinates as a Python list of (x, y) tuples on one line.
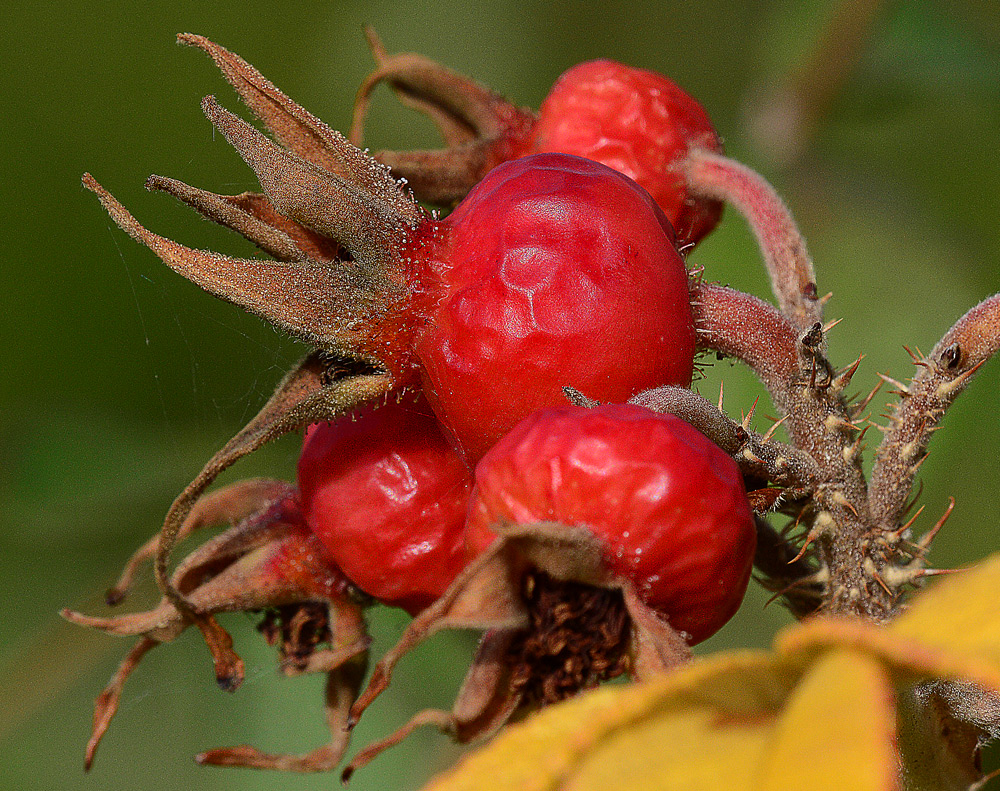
[(635, 121), (387, 496), (638, 122), (668, 504), (554, 271)]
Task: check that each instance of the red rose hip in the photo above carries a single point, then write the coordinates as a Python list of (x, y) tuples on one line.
[(387, 496), (635, 121), (554, 271), (641, 124), (668, 504)]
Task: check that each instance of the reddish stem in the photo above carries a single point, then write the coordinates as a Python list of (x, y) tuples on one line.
[(739, 325), (792, 277)]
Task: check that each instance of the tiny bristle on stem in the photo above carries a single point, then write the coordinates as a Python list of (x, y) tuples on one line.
[(926, 539)]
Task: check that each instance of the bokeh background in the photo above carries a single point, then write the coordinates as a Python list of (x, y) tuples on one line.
[(119, 378)]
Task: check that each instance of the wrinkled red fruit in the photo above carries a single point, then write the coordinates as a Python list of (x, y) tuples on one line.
[(387, 496), (668, 504), (635, 121), (554, 271), (638, 122)]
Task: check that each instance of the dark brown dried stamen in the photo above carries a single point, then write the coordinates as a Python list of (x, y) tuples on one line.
[(579, 636), (297, 629)]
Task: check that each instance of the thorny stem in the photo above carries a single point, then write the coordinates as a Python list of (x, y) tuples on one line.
[(792, 277), (804, 386), (738, 325), (853, 533), (791, 366), (793, 578), (943, 374)]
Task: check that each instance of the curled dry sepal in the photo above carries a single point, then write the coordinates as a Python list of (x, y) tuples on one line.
[(269, 560), (348, 244)]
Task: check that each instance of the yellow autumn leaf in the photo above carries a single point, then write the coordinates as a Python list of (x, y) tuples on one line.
[(960, 613), (951, 630), (702, 727), (837, 731)]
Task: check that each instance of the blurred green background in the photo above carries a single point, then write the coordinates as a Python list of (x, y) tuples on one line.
[(120, 378)]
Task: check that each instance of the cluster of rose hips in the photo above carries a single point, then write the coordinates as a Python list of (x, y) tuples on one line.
[(499, 431)]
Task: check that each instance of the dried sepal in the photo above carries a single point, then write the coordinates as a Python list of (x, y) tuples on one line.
[(480, 128), (226, 506), (454, 129), (334, 217), (944, 374), (788, 263), (484, 704), (484, 596), (307, 395), (655, 647), (345, 670), (317, 302), (369, 220), (250, 566), (267, 560), (478, 108), (304, 134), (106, 705), (254, 217), (523, 590)]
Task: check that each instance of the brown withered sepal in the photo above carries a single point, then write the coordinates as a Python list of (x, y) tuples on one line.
[(479, 127), (335, 222), (523, 592), (268, 561)]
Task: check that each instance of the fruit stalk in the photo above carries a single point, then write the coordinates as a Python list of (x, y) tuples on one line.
[(792, 277)]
